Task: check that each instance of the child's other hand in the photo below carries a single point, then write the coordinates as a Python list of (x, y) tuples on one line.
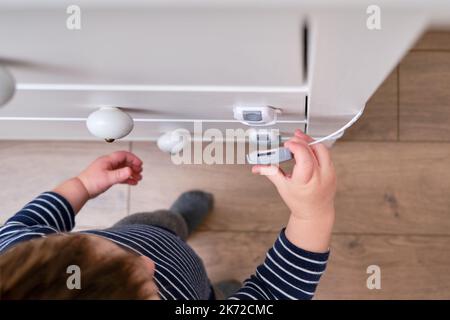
[(309, 191), (108, 170)]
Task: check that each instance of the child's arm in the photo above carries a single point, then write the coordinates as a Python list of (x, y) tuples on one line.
[(54, 211), (308, 192), (295, 263)]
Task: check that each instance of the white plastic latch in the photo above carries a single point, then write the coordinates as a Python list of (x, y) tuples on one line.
[(256, 116)]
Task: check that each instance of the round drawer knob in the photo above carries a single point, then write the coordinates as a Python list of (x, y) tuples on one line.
[(7, 86), (109, 123)]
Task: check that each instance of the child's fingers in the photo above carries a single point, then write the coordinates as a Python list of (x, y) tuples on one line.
[(322, 154), (299, 134), (119, 158), (134, 160), (305, 161), (301, 150), (124, 175), (131, 182), (273, 173), (133, 179), (296, 139), (137, 169), (119, 175)]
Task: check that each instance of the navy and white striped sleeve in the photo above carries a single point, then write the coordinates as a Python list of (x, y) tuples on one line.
[(288, 272), (46, 214)]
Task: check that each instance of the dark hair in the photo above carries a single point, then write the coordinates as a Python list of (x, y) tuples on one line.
[(37, 269)]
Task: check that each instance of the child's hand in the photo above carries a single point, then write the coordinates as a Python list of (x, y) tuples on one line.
[(106, 171), (311, 187), (308, 192)]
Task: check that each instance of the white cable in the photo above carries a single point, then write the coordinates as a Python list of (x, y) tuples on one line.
[(337, 132)]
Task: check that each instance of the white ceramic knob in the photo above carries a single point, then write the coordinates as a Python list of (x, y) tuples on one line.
[(7, 86), (109, 123), (172, 142)]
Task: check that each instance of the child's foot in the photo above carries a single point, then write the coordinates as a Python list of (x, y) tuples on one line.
[(225, 289), (193, 206)]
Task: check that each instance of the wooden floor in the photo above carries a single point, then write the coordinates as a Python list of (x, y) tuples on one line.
[(393, 199)]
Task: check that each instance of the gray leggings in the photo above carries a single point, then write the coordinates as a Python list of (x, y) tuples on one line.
[(175, 223), (160, 218)]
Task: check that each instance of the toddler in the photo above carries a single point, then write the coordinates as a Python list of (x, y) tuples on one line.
[(145, 256)]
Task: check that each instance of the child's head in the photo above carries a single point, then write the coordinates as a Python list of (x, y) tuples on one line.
[(38, 269)]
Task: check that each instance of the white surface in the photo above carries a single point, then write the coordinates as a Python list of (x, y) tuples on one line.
[(349, 61), (270, 156), (181, 62), (154, 47), (76, 129), (154, 64), (172, 142), (430, 5), (155, 104)]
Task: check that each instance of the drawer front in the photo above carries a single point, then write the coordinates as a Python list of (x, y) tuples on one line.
[(151, 46)]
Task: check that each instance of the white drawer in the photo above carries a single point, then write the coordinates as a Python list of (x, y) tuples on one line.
[(165, 66), (154, 47)]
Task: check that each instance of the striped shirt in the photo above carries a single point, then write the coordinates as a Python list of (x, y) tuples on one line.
[(288, 272)]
